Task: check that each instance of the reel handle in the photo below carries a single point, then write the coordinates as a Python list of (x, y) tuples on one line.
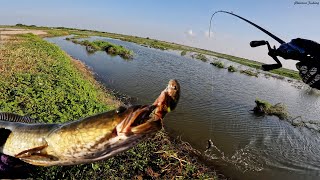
[(258, 43)]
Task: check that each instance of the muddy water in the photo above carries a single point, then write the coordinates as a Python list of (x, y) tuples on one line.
[(215, 105)]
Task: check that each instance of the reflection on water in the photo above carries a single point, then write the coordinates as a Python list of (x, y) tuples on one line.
[(215, 105)]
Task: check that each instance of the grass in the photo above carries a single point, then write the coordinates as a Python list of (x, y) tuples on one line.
[(110, 48), (77, 37), (156, 158), (183, 53), (264, 107), (39, 80), (218, 64)]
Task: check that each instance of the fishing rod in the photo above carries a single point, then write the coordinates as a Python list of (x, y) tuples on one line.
[(255, 25), (283, 50)]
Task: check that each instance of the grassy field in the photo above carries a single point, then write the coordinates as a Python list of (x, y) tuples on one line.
[(163, 45), (38, 79)]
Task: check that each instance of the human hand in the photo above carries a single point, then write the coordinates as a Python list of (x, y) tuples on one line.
[(11, 167)]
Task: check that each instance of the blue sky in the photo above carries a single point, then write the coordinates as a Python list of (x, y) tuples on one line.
[(181, 21)]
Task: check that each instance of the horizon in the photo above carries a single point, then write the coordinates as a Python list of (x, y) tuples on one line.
[(181, 22)]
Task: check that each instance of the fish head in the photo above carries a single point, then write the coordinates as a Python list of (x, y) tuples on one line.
[(148, 119), (173, 90)]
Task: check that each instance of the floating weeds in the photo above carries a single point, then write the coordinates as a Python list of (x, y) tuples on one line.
[(232, 69), (265, 108), (280, 110), (218, 64), (200, 57), (183, 53), (249, 72)]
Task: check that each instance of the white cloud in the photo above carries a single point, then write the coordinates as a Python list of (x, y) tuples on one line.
[(190, 32)]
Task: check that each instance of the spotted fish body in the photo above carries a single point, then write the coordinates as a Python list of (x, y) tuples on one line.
[(87, 140)]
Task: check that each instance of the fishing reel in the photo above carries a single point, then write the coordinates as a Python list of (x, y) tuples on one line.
[(272, 53), (291, 50), (303, 50)]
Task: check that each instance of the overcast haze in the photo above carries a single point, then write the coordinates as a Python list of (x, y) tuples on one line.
[(180, 21)]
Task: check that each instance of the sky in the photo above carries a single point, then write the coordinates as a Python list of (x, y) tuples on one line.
[(180, 21)]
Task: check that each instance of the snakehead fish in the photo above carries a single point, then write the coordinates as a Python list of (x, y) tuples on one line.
[(86, 140)]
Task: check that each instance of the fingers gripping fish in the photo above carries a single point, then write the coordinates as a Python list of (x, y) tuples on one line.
[(86, 140)]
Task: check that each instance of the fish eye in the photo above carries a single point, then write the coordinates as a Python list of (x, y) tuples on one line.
[(121, 109), (173, 87)]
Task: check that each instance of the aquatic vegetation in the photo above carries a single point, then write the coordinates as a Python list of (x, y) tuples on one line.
[(249, 72), (110, 48), (218, 64), (200, 57), (265, 108), (183, 53), (232, 69)]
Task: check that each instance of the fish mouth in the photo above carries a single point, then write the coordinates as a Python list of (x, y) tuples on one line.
[(140, 120), (147, 119)]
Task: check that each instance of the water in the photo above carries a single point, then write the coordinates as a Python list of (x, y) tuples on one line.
[(215, 105)]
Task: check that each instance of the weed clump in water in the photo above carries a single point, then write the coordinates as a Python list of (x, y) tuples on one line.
[(265, 108), (232, 69), (110, 48), (200, 57), (249, 72), (218, 64), (183, 53)]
